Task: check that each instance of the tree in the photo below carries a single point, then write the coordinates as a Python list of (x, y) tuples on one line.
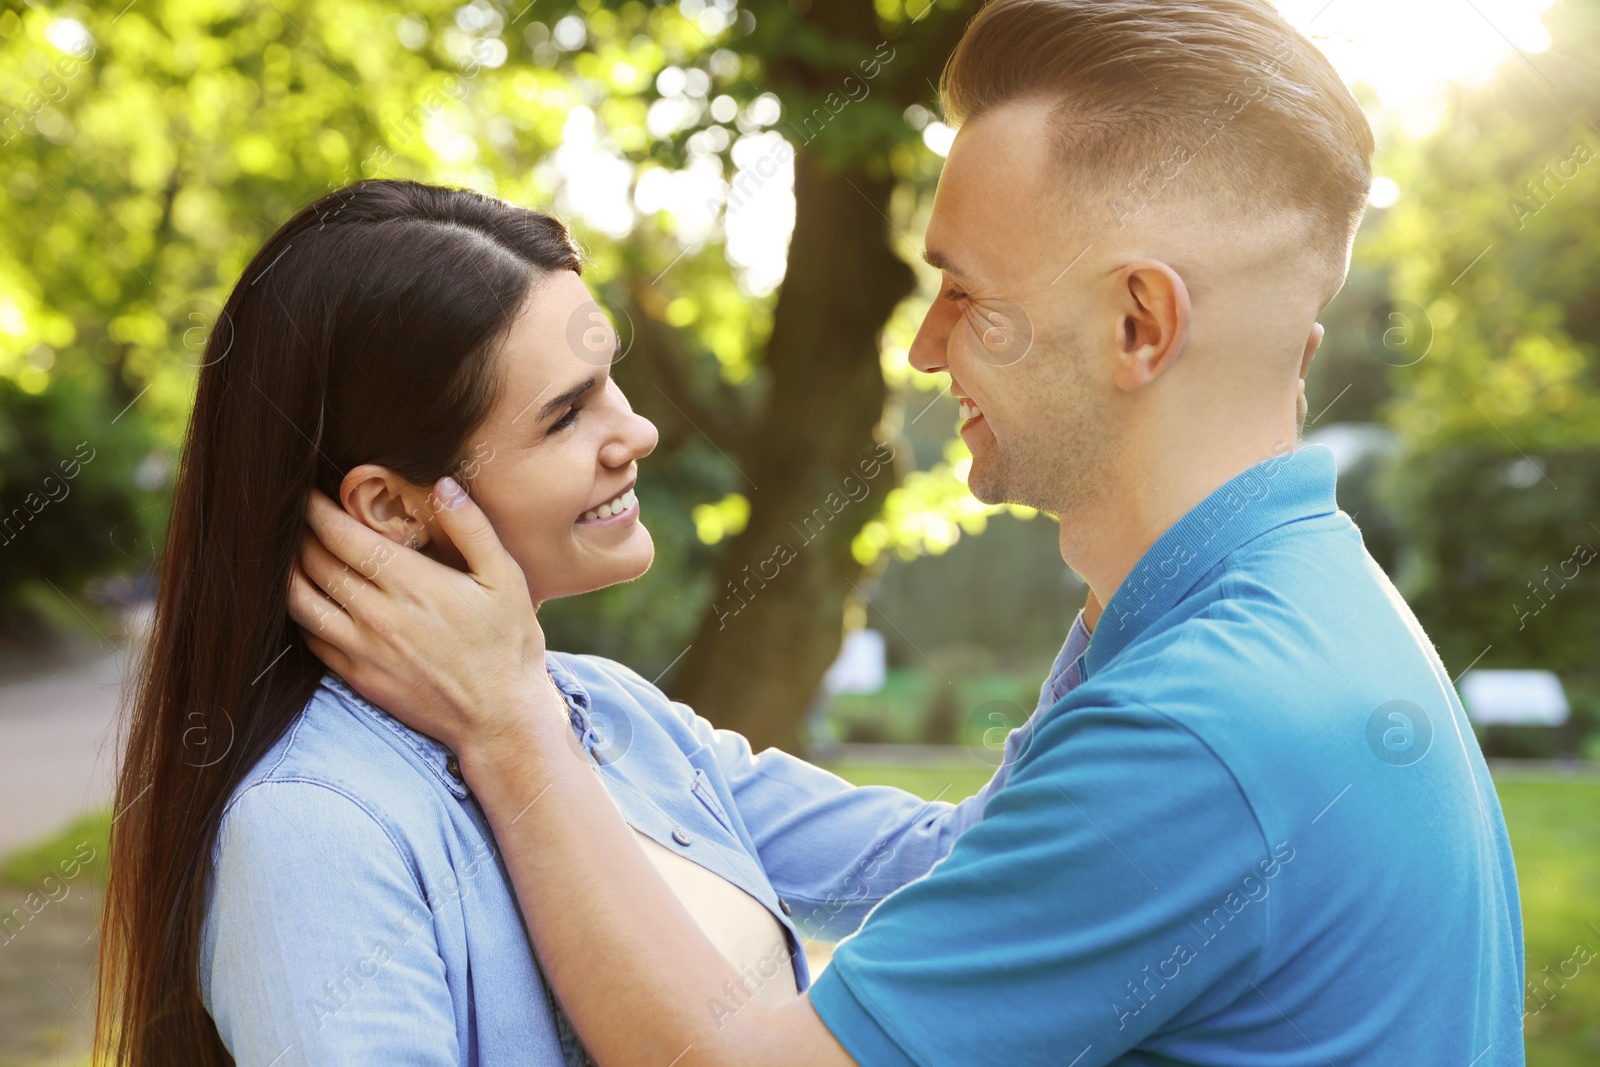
[(150, 150), (774, 623)]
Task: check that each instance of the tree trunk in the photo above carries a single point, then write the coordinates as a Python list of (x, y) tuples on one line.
[(774, 625)]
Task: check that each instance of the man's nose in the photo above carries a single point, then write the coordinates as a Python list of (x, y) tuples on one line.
[(930, 347)]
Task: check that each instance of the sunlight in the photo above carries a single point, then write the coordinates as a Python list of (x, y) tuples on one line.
[(1408, 52)]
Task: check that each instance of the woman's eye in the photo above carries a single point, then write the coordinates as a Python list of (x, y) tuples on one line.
[(564, 421)]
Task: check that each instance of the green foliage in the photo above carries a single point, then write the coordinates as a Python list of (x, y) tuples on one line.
[(147, 150), (1494, 337), (1503, 554), (1493, 242), (921, 705), (79, 488)]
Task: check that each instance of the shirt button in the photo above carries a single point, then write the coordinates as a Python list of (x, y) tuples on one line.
[(783, 906), (681, 836), (453, 765)]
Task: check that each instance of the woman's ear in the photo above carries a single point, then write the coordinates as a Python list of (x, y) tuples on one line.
[(380, 499)]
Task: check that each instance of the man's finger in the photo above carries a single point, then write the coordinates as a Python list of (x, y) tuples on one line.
[(315, 614), (325, 570), (330, 655), (365, 551), (470, 531)]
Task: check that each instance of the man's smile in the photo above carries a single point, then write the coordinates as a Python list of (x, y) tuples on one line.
[(971, 415)]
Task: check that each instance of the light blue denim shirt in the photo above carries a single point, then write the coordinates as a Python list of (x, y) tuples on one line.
[(1065, 674), (359, 911)]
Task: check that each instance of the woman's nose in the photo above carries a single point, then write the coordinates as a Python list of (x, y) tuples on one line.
[(644, 436), (633, 440)]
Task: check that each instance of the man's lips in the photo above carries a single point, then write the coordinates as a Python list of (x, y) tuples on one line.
[(621, 508), (970, 414)]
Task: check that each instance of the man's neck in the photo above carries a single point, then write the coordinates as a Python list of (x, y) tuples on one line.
[(1108, 540)]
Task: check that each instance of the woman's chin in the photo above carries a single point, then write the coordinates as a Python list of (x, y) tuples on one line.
[(611, 566)]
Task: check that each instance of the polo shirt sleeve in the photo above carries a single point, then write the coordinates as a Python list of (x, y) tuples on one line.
[(1116, 885)]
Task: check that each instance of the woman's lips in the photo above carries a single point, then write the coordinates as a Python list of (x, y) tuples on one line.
[(629, 512)]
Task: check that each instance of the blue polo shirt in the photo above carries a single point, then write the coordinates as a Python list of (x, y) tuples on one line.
[(1258, 831)]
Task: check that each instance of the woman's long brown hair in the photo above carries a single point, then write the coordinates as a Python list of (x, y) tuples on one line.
[(364, 331)]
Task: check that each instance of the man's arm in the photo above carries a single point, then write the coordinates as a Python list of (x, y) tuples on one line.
[(831, 850), (1115, 884), (598, 910), (1114, 839), (460, 656)]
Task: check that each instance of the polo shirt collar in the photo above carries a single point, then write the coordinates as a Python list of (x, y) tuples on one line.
[(1298, 484)]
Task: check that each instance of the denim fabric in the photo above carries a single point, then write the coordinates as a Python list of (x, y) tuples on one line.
[(359, 911)]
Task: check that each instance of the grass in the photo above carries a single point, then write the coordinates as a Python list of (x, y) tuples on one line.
[(78, 851), (918, 706), (953, 783), (1553, 824)]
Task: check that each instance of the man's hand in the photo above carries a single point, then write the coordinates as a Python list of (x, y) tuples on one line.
[(455, 655)]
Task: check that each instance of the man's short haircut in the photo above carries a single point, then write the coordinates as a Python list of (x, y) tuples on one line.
[(1220, 98)]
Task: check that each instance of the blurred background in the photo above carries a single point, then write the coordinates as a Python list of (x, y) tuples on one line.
[(718, 160)]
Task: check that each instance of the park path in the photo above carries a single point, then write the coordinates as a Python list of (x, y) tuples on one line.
[(58, 717), (57, 744)]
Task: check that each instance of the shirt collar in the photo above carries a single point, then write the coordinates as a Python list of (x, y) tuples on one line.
[(1297, 484), (433, 754), (575, 695), (1064, 672)]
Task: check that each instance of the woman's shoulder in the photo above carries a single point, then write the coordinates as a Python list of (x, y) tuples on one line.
[(341, 752)]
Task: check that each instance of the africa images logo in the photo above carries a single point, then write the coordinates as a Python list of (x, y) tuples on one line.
[(1399, 733)]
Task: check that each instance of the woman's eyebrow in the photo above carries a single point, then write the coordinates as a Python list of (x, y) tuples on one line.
[(556, 403)]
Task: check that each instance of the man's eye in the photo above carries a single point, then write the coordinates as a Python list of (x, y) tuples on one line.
[(954, 294), (564, 421)]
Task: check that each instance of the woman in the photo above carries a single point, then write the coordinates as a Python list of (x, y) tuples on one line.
[(297, 878)]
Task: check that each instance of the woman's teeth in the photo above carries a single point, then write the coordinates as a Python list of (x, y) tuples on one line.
[(969, 410), (615, 507)]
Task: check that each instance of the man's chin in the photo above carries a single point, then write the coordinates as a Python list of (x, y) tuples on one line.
[(991, 486), (986, 485)]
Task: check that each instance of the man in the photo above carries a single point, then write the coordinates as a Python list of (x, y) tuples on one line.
[(1250, 823)]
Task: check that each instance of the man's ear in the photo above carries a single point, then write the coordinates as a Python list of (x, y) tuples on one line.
[(1312, 343), (1152, 307), (382, 500), (1300, 408)]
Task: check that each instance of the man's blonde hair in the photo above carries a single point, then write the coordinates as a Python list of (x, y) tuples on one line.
[(1221, 100)]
